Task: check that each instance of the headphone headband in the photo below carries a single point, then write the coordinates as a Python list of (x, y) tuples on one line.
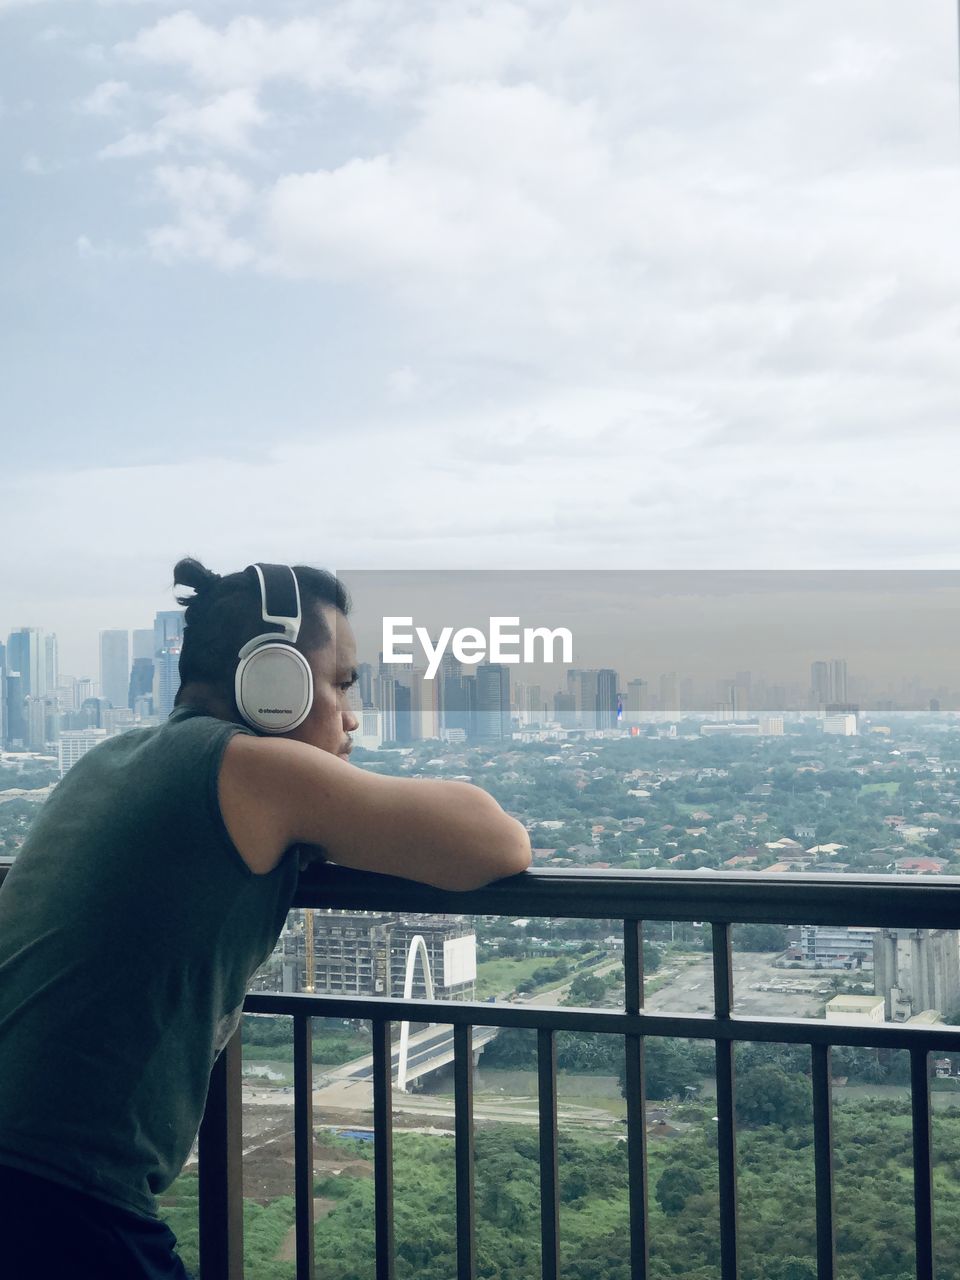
[(279, 598)]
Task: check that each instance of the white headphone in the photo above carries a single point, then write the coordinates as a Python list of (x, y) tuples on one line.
[(274, 683)]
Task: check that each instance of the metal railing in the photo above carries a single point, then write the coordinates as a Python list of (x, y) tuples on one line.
[(718, 899)]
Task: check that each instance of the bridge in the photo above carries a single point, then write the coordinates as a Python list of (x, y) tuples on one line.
[(429, 1050)]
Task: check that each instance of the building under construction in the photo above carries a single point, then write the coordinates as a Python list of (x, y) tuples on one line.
[(365, 953)]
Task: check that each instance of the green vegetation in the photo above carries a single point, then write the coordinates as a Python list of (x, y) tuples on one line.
[(775, 1183), (506, 975), (271, 1039)]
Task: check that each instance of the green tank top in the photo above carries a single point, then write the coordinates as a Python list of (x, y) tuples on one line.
[(129, 929)]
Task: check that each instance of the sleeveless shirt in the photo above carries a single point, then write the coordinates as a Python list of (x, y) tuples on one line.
[(129, 929)]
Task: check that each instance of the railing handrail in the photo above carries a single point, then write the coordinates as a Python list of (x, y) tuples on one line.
[(741, 897), (905, 902)]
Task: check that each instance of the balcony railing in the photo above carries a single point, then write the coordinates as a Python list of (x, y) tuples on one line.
[(718, 899)]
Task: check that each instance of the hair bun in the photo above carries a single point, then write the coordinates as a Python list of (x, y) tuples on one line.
[(191, 573)]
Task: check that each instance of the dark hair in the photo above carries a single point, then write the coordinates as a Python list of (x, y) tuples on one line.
[(224, 613)]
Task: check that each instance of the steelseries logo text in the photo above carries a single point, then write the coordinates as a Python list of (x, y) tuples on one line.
[(274, 711)]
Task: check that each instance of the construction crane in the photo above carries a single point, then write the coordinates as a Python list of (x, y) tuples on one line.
[(308, 940)]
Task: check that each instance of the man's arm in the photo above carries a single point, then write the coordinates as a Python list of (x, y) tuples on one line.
[(277, 792)]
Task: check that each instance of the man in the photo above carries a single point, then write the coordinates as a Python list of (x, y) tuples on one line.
[(156, 880)]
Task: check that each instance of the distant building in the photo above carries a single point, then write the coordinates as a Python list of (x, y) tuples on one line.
[(141, 681), (25, 656), (365, 953), (636, 700), (51, 664), (857, 1009), (844, 726), (115, 667), (824, 946), (730, 729), (168, 628), (917, 970), (492, 719)]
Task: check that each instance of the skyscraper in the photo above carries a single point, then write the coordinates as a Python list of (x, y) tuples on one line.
[(606, 699), (167, 629), (167, 638), (115, 667), (142, 643), (493, 702), (24, 647), (636, 696), (51, 663)]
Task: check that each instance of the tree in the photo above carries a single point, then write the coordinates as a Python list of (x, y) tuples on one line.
[(759, 937), (767, 1095), (675, 1186), (669, 1068)]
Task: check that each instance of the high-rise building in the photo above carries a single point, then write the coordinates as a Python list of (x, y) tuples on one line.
[(365, 953), (35, 717), (669, 693), (828, 682), (168, 627), (24, 655), (166, 678), (916, 970), (819, 684), (565, 709), (51, 663), (636, 701), (838, 680), (16, 723), (492, 721), (365, 684), (141, 679), (115, 667), (142, 646), (606, 698)]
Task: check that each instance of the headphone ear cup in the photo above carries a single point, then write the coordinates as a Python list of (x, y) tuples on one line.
[(274, 688)]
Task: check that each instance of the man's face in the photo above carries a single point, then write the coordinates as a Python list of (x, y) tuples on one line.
[(331, 719)]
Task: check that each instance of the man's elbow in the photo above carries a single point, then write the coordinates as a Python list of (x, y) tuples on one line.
[(506, 855)]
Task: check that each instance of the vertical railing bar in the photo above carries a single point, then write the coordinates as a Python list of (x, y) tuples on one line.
[(823, 1161), (303, 1144), (726, 1114), (221, 1168), (383, 1150), (464, 1152), (636, 1102), (549, 1162), (922, 1162), (722, 971)]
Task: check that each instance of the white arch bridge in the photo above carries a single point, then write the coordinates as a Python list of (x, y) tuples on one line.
[(423, 1052)]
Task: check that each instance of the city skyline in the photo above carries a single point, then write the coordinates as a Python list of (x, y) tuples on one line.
[(890, 627)]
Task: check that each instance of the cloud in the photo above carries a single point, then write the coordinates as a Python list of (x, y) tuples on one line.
[(250, 51), (106, 98), (206, 200), (222, 123)]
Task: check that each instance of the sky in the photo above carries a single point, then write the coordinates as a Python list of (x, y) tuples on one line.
[(632, 284)]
